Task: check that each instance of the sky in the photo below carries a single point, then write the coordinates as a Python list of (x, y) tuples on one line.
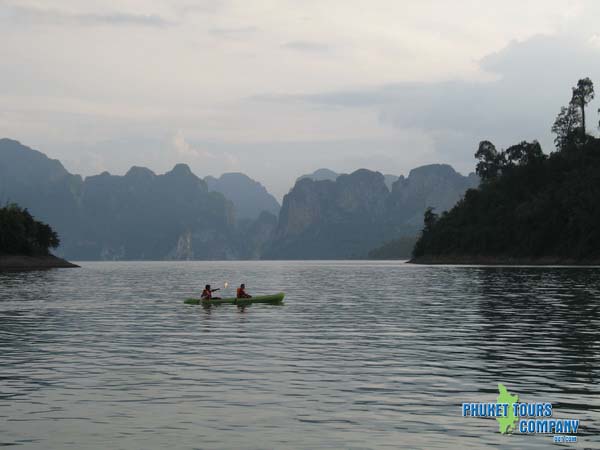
[(278, 88)]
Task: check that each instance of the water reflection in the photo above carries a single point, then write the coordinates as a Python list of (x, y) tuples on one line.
[(550, 315)]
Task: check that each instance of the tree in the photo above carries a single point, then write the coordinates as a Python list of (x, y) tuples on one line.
[(46, 236), (429, 219), (566, 125), (20, 233), (583, 93), (524, 153), (490, 161), (536, 210)]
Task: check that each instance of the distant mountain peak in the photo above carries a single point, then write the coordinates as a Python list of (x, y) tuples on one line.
[(319, 175), (8, 141), (249, 197), (323, 172), (328, 174), (434, 169), (139, 172), (231, 175), (362, 174), (26, 163), (180, 169)]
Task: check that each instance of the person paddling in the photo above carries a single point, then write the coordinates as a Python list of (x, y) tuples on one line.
[(241, 292), (207, 293)]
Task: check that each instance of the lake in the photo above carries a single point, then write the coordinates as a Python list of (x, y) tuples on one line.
[(361, 355)]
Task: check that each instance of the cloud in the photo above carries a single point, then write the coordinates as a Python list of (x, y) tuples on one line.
[(202, 7), (39, 16), (233, 161), (407, 82), (233, 32), (530, 80), (185, 150), (305, 46), (197, 156)]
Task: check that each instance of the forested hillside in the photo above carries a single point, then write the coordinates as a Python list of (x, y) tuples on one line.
[(530, 207), (21, 234)]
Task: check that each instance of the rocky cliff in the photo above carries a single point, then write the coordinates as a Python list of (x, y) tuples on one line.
[(43, 185), (249, 197), (356, 213), (435, 185), (327, 174), (332, 219), (140, 215)]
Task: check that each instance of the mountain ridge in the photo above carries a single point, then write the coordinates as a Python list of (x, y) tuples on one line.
[(178, 215), (138, 215), (356, 213)]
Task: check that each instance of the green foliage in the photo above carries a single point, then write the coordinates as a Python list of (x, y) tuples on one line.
[(566, 126), (493, 164), (524, 153), (528, 204), (569, 125), (583, 93), (20, 233), (490, 161), (539, 206), (430, 219)]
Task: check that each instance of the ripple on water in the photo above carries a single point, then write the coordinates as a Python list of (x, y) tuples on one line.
[(108, 356)]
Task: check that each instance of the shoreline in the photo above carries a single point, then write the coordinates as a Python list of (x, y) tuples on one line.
[(14, 263), (500, 261)]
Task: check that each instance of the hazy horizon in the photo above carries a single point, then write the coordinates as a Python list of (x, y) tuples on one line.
[(278, 89)]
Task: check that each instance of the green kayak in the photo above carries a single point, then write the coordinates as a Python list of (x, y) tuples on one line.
[(273, 299)]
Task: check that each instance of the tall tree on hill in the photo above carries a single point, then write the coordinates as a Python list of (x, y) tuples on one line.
[(583, 93), (524, 153), (566, 125), (429, 218), (490, 162)]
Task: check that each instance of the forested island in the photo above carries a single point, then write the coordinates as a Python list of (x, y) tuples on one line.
[(25, 243), (530, 208)]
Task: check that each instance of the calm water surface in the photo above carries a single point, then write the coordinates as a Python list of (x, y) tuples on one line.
[(361, 355)]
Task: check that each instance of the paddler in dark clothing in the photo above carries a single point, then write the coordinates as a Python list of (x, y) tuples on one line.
[(241, 292), (207, 293)]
